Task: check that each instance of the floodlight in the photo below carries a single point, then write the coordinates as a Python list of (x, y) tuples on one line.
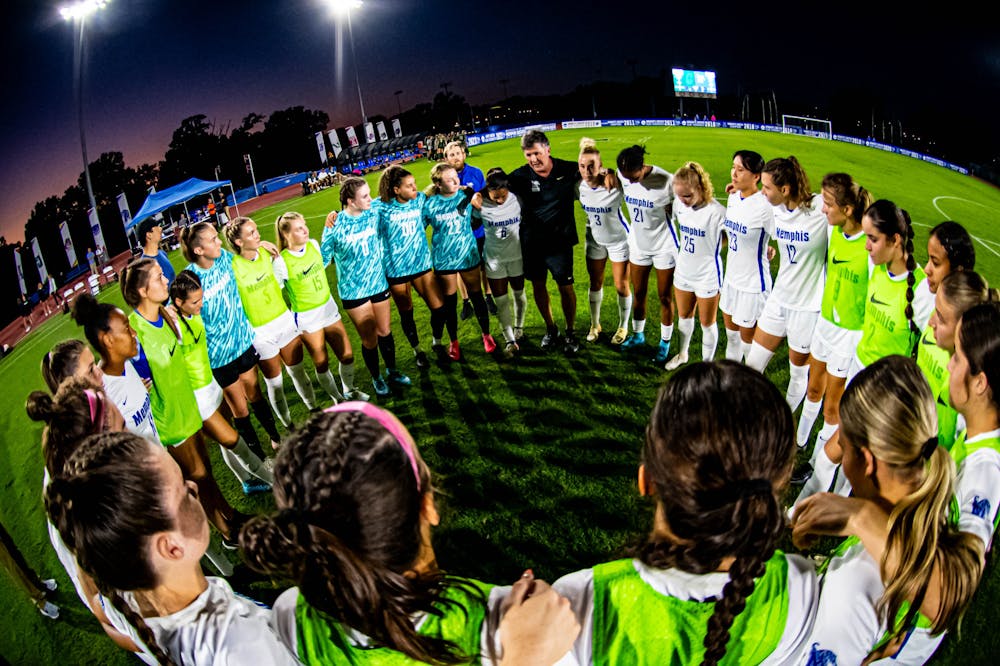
[(81, 9), (343, 6)]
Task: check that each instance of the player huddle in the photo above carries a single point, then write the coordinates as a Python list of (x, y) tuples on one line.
[(900, 360)]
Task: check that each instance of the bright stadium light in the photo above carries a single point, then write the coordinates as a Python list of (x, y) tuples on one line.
[(81, 9), (344, 7)]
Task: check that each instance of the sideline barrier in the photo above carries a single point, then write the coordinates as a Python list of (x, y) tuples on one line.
[(514, 132)]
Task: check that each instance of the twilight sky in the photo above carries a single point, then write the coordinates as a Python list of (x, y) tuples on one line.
[(151, 63)]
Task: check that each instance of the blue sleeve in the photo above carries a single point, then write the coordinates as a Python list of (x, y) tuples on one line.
[(477, 179)]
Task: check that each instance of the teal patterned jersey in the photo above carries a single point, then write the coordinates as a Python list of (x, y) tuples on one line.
[(227, 328), (403, 236), (356, 249), (453, 244)]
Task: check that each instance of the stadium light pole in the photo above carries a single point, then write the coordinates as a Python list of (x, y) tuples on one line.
[(79, 12), (344, 7)]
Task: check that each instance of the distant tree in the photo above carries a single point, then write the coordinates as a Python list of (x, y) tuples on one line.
[(194, 152), (287, 142)]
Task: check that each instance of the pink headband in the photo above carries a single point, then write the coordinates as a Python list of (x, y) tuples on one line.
[(388, 421), (92, 401)]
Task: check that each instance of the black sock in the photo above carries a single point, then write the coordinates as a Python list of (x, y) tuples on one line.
[(388, 348), (370, 357), (249, 435), (451, 315), (409, 327), (438, 317), (482, 314), (265, 417)]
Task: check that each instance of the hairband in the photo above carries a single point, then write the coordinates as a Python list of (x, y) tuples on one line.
[(930, 446), (92, 401), (388, 421)]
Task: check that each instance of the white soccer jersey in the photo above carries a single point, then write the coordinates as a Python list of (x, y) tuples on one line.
[(802, 242), (847, 624), (604, 214), (503, 228), (803, 594), (977, 488), (130, 396), (651, 231), (749, 225), (700, 229)]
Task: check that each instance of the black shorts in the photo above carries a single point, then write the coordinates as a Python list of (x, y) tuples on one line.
[(559, 263), (351, 303), (230, 372), (480, 244), (393, 281)]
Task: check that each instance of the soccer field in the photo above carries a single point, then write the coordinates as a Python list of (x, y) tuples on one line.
[(535, 460)]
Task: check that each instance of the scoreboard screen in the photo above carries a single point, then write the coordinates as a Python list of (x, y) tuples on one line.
[(689, 83)]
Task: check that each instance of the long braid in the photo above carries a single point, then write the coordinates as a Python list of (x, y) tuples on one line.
[(146, 634), (911, 266)]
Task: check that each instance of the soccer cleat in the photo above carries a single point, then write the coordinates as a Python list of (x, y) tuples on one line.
[(595, 331), (397, 377), (549, 339), (489, 344), (49, 610), (422, 362), (518, 332), (676, 362), (570, 344), (50, 584), (454, 353), (619, 336), (634, 340), (254, 486), (467, 310), (355, 394), (662, 352), (510, 349), (381, 387), (491, 305)]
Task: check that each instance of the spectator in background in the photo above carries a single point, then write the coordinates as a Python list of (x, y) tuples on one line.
[(13, 561), (92, 260), (149, 235)]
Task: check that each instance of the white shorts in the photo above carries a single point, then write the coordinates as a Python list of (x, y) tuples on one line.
[(834, 346), (700, 290), (856, 367), (317, 319), (270, 338), (797, 325), (663, 260), (617, 252), (209, 398), (497, 269), (743, 307)]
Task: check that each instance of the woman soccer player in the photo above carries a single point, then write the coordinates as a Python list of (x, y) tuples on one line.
[(276, 337), (352, 240), (794, 303), (648, 193), (501, 214), (708, 583), (353, 530), (70, 358), (470, 177), (448, 213), (186, 296), (892, 458), (229, 333), (135, 525), (698, 277), (300, 268), (407, 259), (607, 237), (749, 227)]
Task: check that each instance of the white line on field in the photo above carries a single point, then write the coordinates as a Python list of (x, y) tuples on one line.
[(985, 243)]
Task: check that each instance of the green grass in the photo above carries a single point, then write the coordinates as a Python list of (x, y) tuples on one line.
[(536, 459)]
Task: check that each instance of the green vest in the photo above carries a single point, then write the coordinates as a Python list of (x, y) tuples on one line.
[(886, 330), (194, 347), (634, 624), (171, 398), (933, 361), (962, 449), (259, 290), (307, 286), (846, 281), (322, 641)]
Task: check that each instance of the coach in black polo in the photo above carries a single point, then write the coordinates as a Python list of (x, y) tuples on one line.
[(548, 190)]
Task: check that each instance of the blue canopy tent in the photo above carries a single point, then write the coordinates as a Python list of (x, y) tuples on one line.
[(157, 202)]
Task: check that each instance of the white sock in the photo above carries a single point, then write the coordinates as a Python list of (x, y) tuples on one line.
[(595, 307), (248, 459), (667, 332), (235, 465), (758, 357), (709, 341), (810, 410), (798, 381), (686, 328), (302, 384), (734, 346), (624, 310), (841, 485), (825, 434), (329, 384), (520, 307), (746, 350), (219, 560), (276, 396), (347, 376), (505, 316), (823, 473), (638, 325)]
